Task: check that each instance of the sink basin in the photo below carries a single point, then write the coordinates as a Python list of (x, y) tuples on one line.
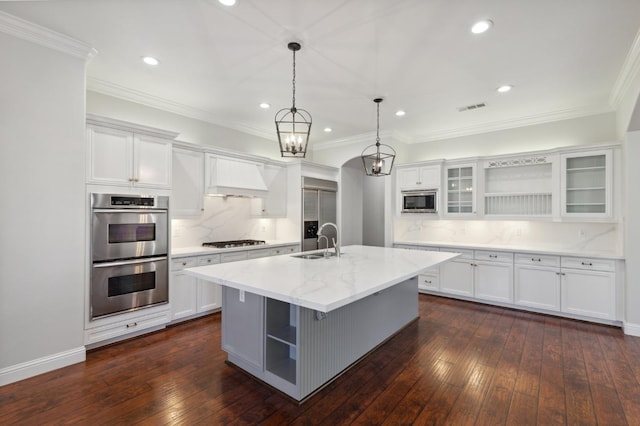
[(313, 255)]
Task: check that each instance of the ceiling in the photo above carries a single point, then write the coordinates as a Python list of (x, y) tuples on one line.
[(564, 59)]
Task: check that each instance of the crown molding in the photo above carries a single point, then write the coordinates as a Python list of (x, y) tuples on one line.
[(628, 73), (512, 123), (136, 96), (29, 31)]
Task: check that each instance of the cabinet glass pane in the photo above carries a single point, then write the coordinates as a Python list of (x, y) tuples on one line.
[(453, 173), (586, 178), (585, 208), (466, 172), (586, 196), (460, 190), (584, 162)]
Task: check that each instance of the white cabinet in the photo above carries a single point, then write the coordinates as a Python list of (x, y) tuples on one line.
[(124, 154), (232, 176), (460, 192), (423, 177), (183, 289), (586, 184), (537, 281), (493, 276), (187, 195), (188, 295), (588, 287), (456, 276), (272, 251), (274, 203)]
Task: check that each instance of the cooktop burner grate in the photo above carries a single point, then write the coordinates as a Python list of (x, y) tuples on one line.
[(233, 243)]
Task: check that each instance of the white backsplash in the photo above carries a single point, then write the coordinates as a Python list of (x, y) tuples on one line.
[(223, 219), (603, 238)]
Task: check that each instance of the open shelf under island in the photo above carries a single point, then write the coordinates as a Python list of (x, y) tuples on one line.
[(297, 323)]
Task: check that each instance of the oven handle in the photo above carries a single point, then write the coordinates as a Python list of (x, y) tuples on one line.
[(129, 262), (129, 211)]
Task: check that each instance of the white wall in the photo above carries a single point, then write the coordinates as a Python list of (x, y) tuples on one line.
[(578, 131), (373, 220), (191, 130), (632, 234), (42, 252), (351, 183)]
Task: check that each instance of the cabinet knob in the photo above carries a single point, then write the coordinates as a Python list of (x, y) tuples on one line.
[(208, 260), (133, 324), (427, 281), (136, 180), (278, 251), (130, 179), (184, 263)]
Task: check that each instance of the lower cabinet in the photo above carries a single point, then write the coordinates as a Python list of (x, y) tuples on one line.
[(191, 297), (188, 295), (585, 288)]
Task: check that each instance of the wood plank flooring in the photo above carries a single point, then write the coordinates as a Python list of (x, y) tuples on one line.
[(460, 363)]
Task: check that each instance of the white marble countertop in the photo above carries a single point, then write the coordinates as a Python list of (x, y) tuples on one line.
[(517, 249), (323, 284), (199, 250)]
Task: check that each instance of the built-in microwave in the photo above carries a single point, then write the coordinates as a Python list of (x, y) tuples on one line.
[(420, 201)]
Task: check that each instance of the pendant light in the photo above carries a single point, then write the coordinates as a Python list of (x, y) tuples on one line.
[(292, 124), (378, 159)]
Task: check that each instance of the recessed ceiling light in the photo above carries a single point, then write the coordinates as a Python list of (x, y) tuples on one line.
[(150, 60), (505, 88), (400, 113), (265, 105), (328, 129), (481, 26), (227, 2)]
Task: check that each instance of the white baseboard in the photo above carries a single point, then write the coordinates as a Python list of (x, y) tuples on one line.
[(45, 364), (631, 329)]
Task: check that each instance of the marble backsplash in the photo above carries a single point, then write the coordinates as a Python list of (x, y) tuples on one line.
[(585, 237), (223, 219)]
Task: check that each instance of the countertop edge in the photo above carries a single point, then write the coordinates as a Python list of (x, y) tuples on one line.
[(177, 253), (599, 255)]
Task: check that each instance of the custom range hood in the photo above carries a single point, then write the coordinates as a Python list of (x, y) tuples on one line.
[(234, 177)]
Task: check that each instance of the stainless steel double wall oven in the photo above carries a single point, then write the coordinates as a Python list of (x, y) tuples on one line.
[(129, 246)]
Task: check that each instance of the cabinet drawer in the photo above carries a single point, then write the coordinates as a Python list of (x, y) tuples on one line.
[(428, 281), (256, 254), (184, 262), (588, 263), (208, 260), (537, 260), (466, 254), (494, 256), (233, 257), (285, 250), (133, 325)]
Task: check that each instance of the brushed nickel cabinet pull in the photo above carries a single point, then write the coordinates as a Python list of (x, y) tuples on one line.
[(133, 324)]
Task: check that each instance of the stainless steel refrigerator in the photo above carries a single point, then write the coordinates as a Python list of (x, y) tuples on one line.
[(318, 207)]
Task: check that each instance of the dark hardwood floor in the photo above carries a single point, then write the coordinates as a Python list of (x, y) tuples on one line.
[(460, 363)]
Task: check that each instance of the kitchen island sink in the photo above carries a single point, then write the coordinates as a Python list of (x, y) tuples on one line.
[(297, 325)]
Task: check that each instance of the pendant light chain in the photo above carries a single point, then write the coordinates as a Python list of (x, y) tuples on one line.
[(294, 80), (378, 126)]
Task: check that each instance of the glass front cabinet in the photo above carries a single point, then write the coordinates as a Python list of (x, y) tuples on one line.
[(586, 184), (460, 192)]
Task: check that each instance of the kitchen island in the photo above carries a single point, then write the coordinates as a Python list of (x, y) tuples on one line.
[(297, 322)]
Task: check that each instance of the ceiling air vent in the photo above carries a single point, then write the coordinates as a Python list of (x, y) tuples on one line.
[(472, 107)]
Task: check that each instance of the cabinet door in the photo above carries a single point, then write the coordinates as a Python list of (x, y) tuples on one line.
[(460, 192), (152, 162), (589, 293), (187, 196), (110, 156), (494, 281), (275, 202), (537, 287), (209, 296), (408, 178), (586, 184), (456, 277), (183, 295), (426, 177)]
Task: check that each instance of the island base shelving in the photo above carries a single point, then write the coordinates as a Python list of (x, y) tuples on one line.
[(299, 350)]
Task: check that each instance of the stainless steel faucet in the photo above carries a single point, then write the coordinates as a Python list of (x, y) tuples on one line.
[(336, 244), (326, 253)]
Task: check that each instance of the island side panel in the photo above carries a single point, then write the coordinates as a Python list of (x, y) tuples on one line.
[(327, 347), (243, 330)]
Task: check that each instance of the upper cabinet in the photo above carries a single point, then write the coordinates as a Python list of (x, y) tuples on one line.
[(460, 191), (423, 177), (125, 154), (187, 196), (274, 203), (520, 186), (586, 184)]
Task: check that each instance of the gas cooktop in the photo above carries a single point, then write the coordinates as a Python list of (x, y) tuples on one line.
[(233, 243)]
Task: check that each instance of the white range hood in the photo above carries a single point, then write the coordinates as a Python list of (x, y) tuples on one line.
[(235, 177)]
